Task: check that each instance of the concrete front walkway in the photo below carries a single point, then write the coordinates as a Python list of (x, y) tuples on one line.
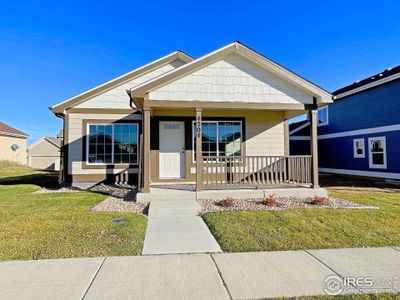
[(174, 226), (196, 276)]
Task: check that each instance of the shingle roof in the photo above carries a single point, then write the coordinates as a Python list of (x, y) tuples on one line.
[(54, 140), (388, 72), (8, 130)]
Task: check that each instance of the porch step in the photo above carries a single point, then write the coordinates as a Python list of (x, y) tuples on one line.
[(165, 194), (168, 194)]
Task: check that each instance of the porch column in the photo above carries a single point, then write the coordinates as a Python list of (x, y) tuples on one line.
[(146, 149), (314, 147), (286, 137), (199, 154)]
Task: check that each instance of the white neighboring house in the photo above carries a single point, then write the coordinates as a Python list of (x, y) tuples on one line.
[(45, 153)]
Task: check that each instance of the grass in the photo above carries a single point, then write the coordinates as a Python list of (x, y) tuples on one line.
[(310, 228), (58, 225)]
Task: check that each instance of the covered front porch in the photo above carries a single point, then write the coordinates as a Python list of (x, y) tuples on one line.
[(211, 149)]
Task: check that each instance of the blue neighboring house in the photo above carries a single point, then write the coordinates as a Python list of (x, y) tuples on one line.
[(359, 133)]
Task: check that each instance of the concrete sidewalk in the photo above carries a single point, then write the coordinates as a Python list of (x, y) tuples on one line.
[(174, 226), (196, 276)]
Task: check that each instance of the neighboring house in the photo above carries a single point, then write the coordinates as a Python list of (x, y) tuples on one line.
[(45, 153), (359, 134), (12, 144), (241, 99)]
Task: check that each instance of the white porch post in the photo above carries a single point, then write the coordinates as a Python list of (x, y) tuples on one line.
[(199, 154), (314, 147)]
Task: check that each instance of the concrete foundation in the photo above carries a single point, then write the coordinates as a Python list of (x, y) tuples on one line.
[(180, 194)]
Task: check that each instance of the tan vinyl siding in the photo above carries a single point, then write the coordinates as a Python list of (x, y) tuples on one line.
[(231, 79), (76, 134), (44, 155), (117, 98), (264, 129), (6, 153)]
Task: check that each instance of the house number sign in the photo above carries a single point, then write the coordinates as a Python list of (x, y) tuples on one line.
[(198, 125)]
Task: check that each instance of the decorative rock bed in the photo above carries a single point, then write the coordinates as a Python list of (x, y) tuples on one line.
[(121, 198), (282, 203)]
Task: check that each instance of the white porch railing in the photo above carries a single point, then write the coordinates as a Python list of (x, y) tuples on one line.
[(256, 171)]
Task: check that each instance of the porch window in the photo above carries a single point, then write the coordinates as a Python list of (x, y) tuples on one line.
[(112, 143), (323, 116), (377, 152), (219, 138)]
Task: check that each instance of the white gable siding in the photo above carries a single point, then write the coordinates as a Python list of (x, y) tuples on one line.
[(117, 97), (232, 79)]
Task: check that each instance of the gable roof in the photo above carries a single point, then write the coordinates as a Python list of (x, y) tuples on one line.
[(62, 106), (140, 91), (369, 82), (52, 140), (11, 131)]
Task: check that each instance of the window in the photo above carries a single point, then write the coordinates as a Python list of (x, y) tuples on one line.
[(323, 116), (112, 144), (377, 152), (359, 148), (219, 138)]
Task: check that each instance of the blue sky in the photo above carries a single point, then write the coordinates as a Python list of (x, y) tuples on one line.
[(52, 50)]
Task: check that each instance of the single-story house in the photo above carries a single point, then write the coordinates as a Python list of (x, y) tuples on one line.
[(218, 121), (45, 153), (12, 144), (359, 133)]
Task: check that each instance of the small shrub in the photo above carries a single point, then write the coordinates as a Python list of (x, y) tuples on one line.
[(317, 200), (227, 202), (269, 200)]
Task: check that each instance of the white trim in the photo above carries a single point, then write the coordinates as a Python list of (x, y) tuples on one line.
[(371, 164), (299, 128), (327, 116), (361, 173), (14, 134), (112, 147), (367, 86), (381, 129), (355, 154), (217, 137)]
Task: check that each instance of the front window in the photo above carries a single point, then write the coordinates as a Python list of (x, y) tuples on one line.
[(323, 116), (377, 152), (112, 143), (219, 138)]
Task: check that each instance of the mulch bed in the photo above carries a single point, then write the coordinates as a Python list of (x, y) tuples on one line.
[(282, 203)]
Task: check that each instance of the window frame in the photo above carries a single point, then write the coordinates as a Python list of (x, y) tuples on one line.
[(355, 154), (112, 145), (217, 136), (327, 115), (370, 161)]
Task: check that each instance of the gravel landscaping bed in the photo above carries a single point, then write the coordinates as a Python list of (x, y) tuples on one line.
[(282, 203), (121, 198), (120, 205)]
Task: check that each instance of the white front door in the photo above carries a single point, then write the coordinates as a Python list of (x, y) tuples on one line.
[(172, 149)]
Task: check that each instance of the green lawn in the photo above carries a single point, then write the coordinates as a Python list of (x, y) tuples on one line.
[(55, 225), (310, 228)]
